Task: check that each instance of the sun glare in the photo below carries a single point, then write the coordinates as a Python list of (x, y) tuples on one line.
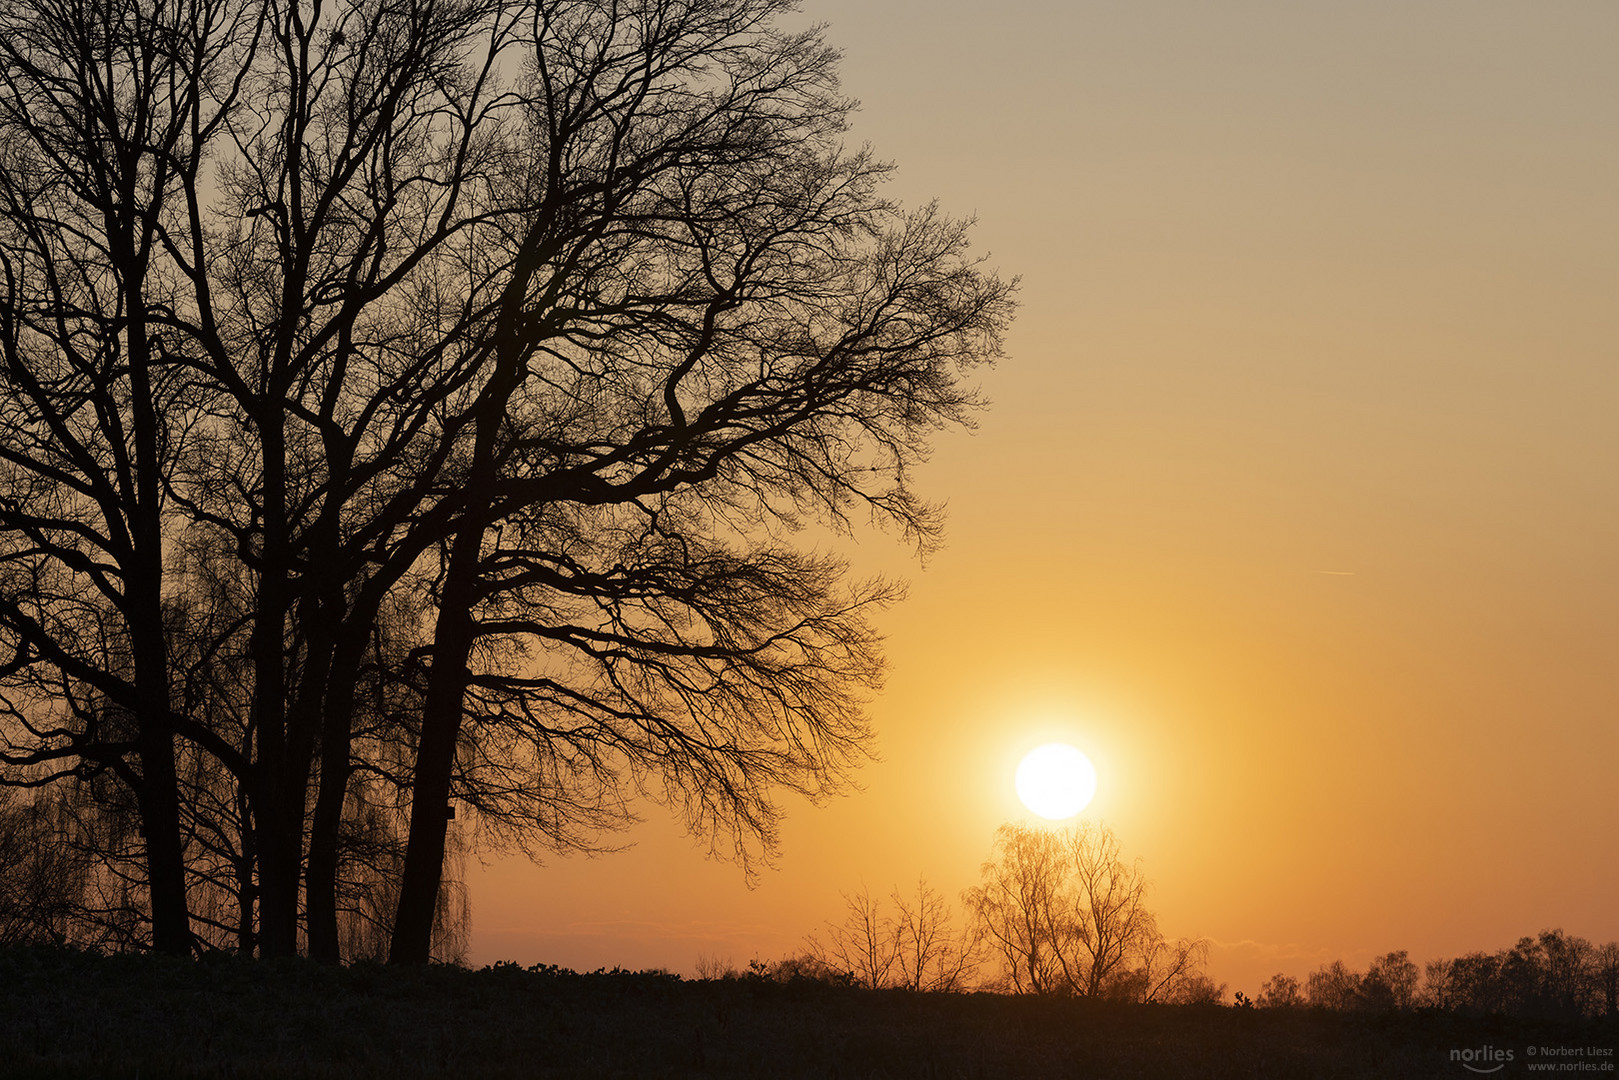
[(1056, 781)]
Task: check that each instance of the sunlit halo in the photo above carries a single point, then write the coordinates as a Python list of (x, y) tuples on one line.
[(1056, 781)]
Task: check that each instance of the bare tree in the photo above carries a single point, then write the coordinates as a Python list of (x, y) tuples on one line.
[(1020, 906), (1106, 925), (1280, 992), (1390, 982), (1552, 974), (711, 324), (866, 946), (1475, 983), (1438, 984), (1171, 971), (714, 968), (1605, 971), (1066, 914), (105, 112), (918, 947), (541, 322), (1333, 986), (372, 850), (934, 955)]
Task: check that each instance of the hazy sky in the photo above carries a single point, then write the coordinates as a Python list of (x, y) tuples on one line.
[(1297, 506)]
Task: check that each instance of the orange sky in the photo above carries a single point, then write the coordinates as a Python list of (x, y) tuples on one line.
[(1307, 287)]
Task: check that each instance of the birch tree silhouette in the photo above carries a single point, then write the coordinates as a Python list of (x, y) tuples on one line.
[(1065, 914)]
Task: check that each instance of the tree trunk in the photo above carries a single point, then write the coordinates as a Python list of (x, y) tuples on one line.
[(278, 852), (158, 800), (452, 647), (435, 754), (159, 796), (320, 877)]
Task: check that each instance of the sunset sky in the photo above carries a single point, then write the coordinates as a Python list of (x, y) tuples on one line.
[(1297, 506)]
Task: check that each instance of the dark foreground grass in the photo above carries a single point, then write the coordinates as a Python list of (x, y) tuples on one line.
[(68, 1014)]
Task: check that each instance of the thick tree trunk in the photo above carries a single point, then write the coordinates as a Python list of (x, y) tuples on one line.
[(435, 755), (159, 804), (165, 865), (159, 796), (320, 877), (279, 847), (447, 680)]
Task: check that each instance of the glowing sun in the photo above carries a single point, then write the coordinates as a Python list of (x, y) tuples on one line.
[(1056, 781)]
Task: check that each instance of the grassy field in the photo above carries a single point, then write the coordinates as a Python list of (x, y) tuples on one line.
[(67, 1014)]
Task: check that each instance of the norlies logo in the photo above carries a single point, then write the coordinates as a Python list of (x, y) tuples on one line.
[(1483, 1059)]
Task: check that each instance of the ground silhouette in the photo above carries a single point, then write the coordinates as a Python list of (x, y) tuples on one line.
[(69, 1014)]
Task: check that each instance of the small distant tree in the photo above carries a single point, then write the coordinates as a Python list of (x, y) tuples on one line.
[(1476, 983), (933, 954), (1333, 986), (1606, 969), (1438, 985), (712, 968), (916, 948), (865, 945), (1171, 971), (1567, 985), (796, 968), (1390, 983), (1280, 992), (1065, 914), (1196, 989), (1017, 907)]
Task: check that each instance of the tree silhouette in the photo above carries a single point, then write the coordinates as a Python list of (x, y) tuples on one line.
[(1549, 975), (1065, 914), (1333, 986), (105, 112), (933, 954), (1280, 992), (1390, 982), (408, 405), (1022, 906), (866, 945), (917, 948)]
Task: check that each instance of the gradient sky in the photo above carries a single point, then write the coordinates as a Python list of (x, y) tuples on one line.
[(1297, 506)]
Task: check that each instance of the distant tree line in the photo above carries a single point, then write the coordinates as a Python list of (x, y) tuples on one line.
[(405, 410), (1550, 975), (1058, 911)]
